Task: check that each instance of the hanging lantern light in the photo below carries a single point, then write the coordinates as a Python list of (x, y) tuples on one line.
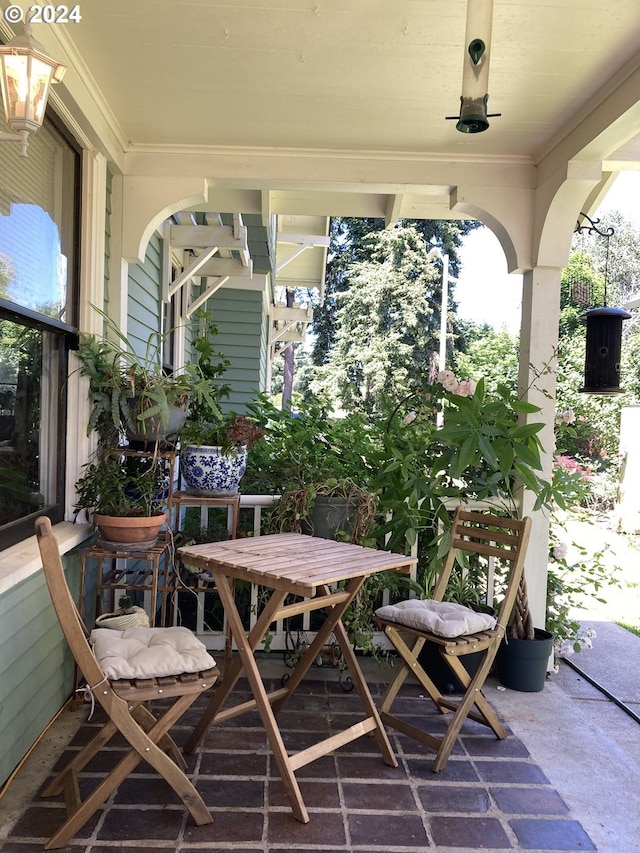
[(604, 332), (26, 73)]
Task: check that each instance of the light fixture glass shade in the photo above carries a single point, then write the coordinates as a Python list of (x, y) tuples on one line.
[(26, 73)]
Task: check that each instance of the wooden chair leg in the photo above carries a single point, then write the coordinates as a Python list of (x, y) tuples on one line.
[(471, 697), (484, 713), (472, 704), (410, 665), (144, 747), (146, 720), (76, 765)]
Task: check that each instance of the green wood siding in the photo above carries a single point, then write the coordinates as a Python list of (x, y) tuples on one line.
[(264, 352), (239, 317), (144, 308), (36, 668)]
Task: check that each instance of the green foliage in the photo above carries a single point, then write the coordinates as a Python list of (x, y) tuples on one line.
[(128, 391), (411, 463), (7, 275), (20, 374), (352, 242), (306, 447), (388, 327), (119, 485), (16, 494), (124, 603), (490, 355), (353, 506), (635, 629), (307, 455), (358, 618), (567, 585), (206, 424)]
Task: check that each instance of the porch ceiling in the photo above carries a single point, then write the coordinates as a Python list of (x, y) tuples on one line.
[(320, 107), (367, 74)]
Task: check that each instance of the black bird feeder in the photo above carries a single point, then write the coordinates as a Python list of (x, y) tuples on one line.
[(604, 346), (604, 334)]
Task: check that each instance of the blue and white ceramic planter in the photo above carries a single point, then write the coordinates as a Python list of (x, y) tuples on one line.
[(210, 472)]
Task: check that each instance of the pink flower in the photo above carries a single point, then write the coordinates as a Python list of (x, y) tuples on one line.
[(560, 551), (571, 466), (466, 388), (448, 380), (409, 418)]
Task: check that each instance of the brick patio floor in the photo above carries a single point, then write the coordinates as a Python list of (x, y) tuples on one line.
[(491, 796)]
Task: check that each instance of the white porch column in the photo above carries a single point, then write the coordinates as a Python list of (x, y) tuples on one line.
[(537, 384)]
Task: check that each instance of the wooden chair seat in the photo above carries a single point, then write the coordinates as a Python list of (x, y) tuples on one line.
[(503, 540), (126, 704), (164, 687)]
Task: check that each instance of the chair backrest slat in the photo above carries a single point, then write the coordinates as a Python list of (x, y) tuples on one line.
[(71, 624), (490, 536), (486, 550), (484, 518), (478, 534)]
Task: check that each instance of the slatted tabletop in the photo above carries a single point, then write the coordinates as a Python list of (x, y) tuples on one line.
[(293, 561)]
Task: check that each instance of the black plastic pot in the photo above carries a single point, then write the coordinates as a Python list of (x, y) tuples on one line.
[(444, 679), (522, 664)]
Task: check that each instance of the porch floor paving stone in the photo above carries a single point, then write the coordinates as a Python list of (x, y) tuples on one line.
[(491, 795)]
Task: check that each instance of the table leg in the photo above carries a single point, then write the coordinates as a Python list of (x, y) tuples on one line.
[(234, 670), (333, 623), (366, 698), (334, 615), (246, 649)]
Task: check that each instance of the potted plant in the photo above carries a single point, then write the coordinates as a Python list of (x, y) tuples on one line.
[(131, 394), (332, 509), (523, 659), (213, 444), (317, 466), (480, 452), (126, 495), (213, 455)]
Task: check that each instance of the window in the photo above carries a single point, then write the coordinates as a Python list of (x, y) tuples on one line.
[(39, 211)]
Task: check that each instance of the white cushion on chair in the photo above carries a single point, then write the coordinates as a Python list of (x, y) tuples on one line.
[(149, 652), (442, 618)]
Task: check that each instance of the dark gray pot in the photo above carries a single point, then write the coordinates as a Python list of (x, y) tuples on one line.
[(328, 516), (522, 664)]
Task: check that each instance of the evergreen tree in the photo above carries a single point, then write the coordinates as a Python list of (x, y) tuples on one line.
[(349, 246), (386, 323)]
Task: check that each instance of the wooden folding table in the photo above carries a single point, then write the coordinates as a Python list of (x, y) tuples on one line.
[(313, 574)]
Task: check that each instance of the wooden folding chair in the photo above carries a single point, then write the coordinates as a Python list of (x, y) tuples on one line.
[(125, 703), (503, 543)]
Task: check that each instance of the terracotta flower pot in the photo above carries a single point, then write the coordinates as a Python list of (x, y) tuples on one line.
[(137, 530)]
